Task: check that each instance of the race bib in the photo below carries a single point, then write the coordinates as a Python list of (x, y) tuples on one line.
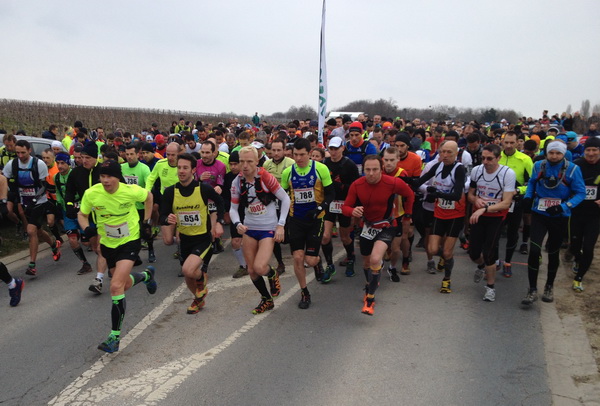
[(369, 232), (118, 231), (28, 192), (306, 195), (336, 206), (257, 209), (591, 192), (212, 206), (131, 179), (446, 204), (189, 218), (546, 202)]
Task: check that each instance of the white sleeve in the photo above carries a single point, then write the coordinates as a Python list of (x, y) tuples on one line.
[(284, 206), (510, 181)]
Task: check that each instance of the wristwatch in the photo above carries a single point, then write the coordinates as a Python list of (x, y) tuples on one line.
[(222, 222)]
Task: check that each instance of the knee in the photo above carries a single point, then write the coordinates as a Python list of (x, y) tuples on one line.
[(448, 254)]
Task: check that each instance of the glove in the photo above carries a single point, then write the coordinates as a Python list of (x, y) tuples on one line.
[(430, 198), (554, 210), (431, 190), (146, 231), (90, 232), (71, 211), (313, 214)]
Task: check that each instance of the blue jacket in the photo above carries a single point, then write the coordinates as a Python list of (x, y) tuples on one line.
[(357, 154), (571, 190)]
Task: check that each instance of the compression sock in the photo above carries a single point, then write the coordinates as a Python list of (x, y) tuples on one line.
[(328, 252), (305, 291), (137, 277), (117, 313), (261, 286), (277, 253), (490, 286), (80, 255), (55, 232), (374, 282), (367, 272), (349, 250), (239, 256), (448, 265)]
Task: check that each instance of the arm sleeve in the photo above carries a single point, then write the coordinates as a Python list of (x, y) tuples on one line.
[(209, 194), (70, 188), (234, 201), (510, 180), (166, 205), (459, 185), (152, 178), (284, 206), (350, 201)]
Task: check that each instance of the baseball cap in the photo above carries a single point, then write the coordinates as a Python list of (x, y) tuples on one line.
[(335, 142)]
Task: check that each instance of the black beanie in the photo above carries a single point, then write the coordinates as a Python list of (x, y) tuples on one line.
[(592, 142), (234, 157), (91, 149)]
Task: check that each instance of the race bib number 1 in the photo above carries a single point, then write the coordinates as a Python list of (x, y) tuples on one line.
[(118, 231), (336, 207), (369, 232), (591, 192)]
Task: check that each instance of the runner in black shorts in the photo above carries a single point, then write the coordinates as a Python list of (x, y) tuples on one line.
[(185, 208), (491, 194), (311, 192), (343, 172), (371, 198)]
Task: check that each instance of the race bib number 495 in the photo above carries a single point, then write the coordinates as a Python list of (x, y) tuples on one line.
[(369, 232)]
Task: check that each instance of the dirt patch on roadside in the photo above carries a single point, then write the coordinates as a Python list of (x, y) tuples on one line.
[(586, 304)]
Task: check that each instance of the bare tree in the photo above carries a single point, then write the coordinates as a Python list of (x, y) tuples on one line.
[(585, 108)]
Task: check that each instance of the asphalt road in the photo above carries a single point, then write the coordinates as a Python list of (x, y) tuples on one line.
[(420, 348)]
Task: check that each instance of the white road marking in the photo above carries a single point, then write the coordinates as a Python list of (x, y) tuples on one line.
[(155, 384)]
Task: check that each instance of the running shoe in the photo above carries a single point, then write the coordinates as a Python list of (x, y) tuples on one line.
[(110, 345), (151, 256), (507, 270), (576, 268), (523, 250), (369, 306), (56, 250), (577, 287), (478, 276), (350, 268), (201, 286), (144, 245), (85, 268), (274, 283), (304, 301), (405, 269), (328, 274), (465, 245), (431, 267), (96, 286), (264, 305), (31, 269), (280, 268), (151, 283), (441, 265), (531, 297), (242, 271), (319, 272), (548, 295), (196, 305), (15, 293), (446, 286), (490, 294), (176, 255), (393, 274)]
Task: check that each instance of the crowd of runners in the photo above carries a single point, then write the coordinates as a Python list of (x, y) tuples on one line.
[(380, 182)]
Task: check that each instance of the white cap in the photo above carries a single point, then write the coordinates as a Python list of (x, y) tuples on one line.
[(335, 142), (257, 144), (149, 138)]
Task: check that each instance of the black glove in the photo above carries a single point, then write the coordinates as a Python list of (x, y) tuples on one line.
[(431, 190), (430, 198), (90, 232), (554, 210), (313, 214), (146, 231), (71, 211)]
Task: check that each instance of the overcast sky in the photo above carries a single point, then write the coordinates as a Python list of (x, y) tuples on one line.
[(246, 56)]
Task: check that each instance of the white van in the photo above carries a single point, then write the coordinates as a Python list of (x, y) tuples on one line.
[(353, 114)]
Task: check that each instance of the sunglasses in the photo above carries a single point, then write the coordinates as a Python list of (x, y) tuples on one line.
[(488, 158)]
